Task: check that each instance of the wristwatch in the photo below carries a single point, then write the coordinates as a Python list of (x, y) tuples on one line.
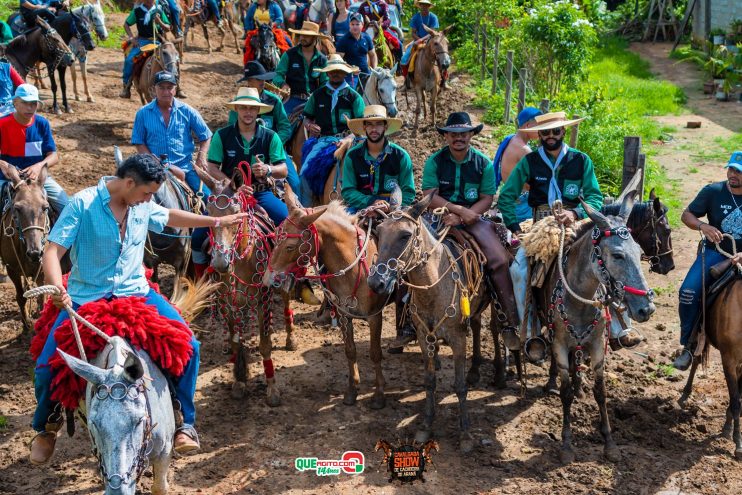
[(270, 171)]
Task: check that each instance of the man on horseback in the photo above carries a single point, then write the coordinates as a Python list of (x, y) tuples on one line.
[(297, 68), (357, 48), (46, 9), (462, 180), (418, 23), (104, 228), (26, 142), (720, 203), (148, 18)]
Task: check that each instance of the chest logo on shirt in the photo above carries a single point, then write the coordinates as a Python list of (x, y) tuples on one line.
[(732, 224), (571, 190), (390, 184), (231, 153), (541, 178), (471, 193), (726, 209), (295, 66)]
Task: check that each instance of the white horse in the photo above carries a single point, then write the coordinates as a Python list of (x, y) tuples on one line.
[(93, 13), (381, 89), (320, 10)]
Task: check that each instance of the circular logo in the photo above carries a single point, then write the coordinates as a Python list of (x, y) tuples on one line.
[(471, 193), (390, 184), (571, 190)]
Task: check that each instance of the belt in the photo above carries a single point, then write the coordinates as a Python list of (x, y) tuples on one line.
[(261, 187), (301, 96)]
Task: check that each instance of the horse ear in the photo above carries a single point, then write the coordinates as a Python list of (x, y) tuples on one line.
[(133, 368), (652, 194), (43, 174), (312, 217), (393, 70), (418, 208), (447, 30), (626, 205), (430, 30), (657, 205), (600, 220), (292, 202), (87, 371)]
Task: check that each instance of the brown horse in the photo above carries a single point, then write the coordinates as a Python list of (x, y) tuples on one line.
[(165, 57), (239, 256), (345, 253), (25, 224), (431, 60), (193, 18), (724, 331)]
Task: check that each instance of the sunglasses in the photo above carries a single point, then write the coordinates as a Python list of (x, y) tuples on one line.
[(551, 132)]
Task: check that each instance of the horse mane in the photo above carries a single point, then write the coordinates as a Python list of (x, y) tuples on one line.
[(369, 91), (20, 41), (338, 212), (637, 216)]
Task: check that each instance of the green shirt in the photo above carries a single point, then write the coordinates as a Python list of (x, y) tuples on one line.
[(283, 68), (349, 105), (216, 149), (145, 31), (430, 173)]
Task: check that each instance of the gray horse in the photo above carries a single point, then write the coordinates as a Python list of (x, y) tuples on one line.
[(130, 416)]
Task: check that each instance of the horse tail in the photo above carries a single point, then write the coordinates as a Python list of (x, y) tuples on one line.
[(191, 298)]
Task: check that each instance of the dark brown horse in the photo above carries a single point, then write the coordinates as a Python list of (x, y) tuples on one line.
[(431, 61), (195, 16)]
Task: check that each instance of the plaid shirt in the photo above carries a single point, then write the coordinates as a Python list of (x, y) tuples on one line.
[(103, 265)]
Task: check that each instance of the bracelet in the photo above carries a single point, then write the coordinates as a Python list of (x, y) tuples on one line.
[(270, 171), (217, 222), (701, 224)]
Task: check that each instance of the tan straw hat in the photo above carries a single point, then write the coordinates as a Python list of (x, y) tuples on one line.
[(249, 97), (336, 62), (309, 28), (374, 113), (553, 120), (424, 2)]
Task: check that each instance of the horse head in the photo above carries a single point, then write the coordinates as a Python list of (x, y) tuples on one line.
[(82, 31), (167, 56), (320, 10), (94, 13), (224, 239), (53, 48), (616, 261), (118, 414), (437, 47), (398, 239), (656, 241), (30, 211), (264, 47), (381, 89)]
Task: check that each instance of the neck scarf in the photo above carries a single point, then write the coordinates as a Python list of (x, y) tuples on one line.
[(336, 92), (375, 163), (554, 191), (148, 13)]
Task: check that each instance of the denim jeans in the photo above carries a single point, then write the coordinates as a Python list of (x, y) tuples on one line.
[(689, 307), (185, 385), (175, 16), (57, 197), (214, 8), (129, 60), (292, 103)]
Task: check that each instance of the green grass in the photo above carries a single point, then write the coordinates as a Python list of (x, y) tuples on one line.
[(692, 170), (3, 422), (116, 35)]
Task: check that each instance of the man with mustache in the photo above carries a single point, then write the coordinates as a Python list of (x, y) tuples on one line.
[(462, 180)]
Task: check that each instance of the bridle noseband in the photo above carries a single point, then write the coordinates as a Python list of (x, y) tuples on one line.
[(616, 290)]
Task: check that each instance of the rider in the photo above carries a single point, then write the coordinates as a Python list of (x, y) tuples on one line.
[(340, 21), (175, 12), (9, 81), (263, 12), (297, 68), (145, 15), (720, 203), (26, 143), (167, 126), (419, 35), (255, 144), (46, 9), (462, 179), (104, 228), (357, 48), (378, 11)]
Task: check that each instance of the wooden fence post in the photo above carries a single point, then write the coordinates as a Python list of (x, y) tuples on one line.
[(522, 80), (483, 69), (508, 86), (544, 106), (574, 133), (495, 65), (631, 148)]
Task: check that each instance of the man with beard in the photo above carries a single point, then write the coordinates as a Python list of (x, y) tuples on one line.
[(462, 180), (720, 203), (297, 68)]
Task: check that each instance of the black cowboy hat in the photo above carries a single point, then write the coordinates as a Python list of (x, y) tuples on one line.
[(460, 122), (255, 70)]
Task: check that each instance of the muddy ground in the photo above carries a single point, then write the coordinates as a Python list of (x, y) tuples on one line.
[(248, 447)]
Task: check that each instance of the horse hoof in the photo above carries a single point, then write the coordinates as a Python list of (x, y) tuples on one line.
[(77, 98), (500, 383), (422, 436), (726, 432), (57, 111), (378, 401), (472, 377), (566, 456), (551, 388), (239, 390), (612, 453), (291, 344), (68, 110), (219, 49), (350, 398), (273, 399), (90, 99)]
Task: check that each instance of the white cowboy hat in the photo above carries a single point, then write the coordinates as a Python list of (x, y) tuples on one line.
[(553, 120), (336, 62), (309, 28), (374, 113), (249, 97), (424, 2)]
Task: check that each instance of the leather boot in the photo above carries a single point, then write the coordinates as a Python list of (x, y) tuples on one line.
[(498, 273), (126, 91), (684, 360), (42, 447)]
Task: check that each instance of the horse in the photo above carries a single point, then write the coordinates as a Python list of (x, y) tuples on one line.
[(319, 11), (193, 18), (264, 47), (25, 222), (431, 60), (444, 297), (93, 14), (165, 57), (330, 237), (239, 257), (381, 89), (384, 52), (604, 263), (387, 448)]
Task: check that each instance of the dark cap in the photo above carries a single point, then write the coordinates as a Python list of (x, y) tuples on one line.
[(255, 70), (356, 16), (165, 77)]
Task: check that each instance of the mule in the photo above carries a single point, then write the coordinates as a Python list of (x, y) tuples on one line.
[(411, 254), (381, 89), (330, 237), (193, 18), (165, 57), (264, 47), (603, 263), (430, 62), (93, 14)]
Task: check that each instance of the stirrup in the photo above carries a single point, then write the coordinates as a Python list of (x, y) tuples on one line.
[(535, 349)]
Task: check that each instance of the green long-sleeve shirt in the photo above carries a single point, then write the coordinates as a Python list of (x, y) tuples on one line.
[(586, 186)]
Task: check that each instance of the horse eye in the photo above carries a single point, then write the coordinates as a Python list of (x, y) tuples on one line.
[(618, 256)]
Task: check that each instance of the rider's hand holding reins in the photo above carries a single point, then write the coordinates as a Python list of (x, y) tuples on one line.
[(248, 190), (566, 217), (711, 233), (260, 169), (312, 128), (63, 299)]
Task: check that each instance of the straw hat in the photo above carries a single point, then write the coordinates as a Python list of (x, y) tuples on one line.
[(249, 97), (375, 113), (336, 62), (424, 2), (553, 120), (309, 28)]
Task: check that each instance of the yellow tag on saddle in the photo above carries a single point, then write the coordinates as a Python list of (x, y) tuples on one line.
[(148, 47)]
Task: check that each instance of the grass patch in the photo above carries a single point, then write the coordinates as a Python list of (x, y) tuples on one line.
[(3, 422), (692, 170), (116, 35)]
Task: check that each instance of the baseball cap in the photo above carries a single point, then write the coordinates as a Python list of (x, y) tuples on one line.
[(527, 114), (735, 161), (165, 77), (26, 92), (356, 16)]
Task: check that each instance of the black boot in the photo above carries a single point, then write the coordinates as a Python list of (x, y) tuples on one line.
[(684, 360)]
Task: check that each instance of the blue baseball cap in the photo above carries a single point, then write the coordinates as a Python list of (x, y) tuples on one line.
[(527, 114), (26, 92), (735, 161)]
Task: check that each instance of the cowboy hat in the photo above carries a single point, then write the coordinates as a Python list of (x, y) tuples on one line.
[(336, 63), (376, 113), (255, 70), (553, 120), (460, 122), (249, 97), (309, 28), (424, 2)]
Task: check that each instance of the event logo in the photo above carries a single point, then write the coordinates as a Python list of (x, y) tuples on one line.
[(471, 193), (351, 462), (571, 190), (408, 461)]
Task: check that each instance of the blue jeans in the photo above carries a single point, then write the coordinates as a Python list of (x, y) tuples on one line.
[(275, 208), (185, 385), (57, 197), (292, 103), (293, 177), (522, 210), (129, 60), (175, 16), (406, 55), (214, 8), (689, 307)]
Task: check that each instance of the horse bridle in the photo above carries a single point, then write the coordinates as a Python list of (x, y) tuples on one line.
[(78, 32), (57, 51), (158, 58), (616, 290), (10, 230), (654, 259)]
